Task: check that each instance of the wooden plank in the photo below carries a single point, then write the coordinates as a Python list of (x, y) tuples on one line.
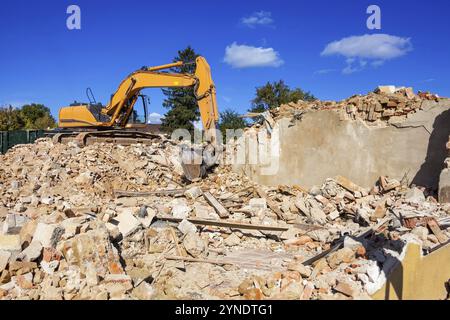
[(434, 226), (220, 209), (187, 259), (169, 192), (219, 223), (179, 250), (270, 203)]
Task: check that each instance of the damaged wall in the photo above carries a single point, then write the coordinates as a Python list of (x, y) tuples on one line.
[(418, 277), (320, 145)]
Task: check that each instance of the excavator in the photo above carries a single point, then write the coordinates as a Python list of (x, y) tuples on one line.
[(92, 122)]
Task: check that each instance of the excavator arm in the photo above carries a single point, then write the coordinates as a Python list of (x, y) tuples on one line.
[(117, 112)]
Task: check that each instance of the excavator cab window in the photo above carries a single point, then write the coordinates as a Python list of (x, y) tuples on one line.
[(139, 113)]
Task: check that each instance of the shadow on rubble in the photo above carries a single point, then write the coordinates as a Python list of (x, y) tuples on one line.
[(389, 266), (428, 174)]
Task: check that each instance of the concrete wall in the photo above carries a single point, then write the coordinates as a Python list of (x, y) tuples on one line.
[(418, 277), (320, 146)]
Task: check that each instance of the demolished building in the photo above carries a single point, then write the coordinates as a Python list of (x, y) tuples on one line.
[(119, 222)]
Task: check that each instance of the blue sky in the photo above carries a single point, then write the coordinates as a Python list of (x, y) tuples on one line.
[(321, 46)]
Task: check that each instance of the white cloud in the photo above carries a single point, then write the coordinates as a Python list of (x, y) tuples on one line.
[(325, 71), (242, 56), (154, 118), (374, 48), (355, 65), (258, 18), (226, 99)]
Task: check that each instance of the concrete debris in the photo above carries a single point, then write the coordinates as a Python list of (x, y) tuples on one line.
[(128, 223), (67, 233), (386, 104), (414, 196), (10, 242), (193, 193), (4, 259), (32, 252), (187, 227), (44, 233)]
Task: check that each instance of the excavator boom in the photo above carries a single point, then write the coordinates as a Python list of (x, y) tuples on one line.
[(117, 112)]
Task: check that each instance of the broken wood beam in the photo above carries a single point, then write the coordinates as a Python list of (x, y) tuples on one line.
[(220, 209), (169, 192), (219, 223), (270, 203), (187, 259), (436, 229)]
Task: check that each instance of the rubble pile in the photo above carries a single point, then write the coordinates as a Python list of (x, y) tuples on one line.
[(387, 104), (120, 222)]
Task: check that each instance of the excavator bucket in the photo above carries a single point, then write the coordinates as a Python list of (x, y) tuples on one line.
[(192, 163), (196, 161), (192, 172)]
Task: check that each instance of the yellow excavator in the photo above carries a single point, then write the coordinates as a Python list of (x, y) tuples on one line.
[(87, 123)]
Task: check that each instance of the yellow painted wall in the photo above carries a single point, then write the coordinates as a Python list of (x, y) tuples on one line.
[(418, 277)]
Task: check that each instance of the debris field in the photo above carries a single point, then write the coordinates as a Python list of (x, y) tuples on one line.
[(108, 221)]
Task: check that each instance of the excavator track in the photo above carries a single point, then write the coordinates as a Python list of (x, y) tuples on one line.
[(123, 137)]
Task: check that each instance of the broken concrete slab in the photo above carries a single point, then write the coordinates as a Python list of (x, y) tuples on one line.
[(193, 244), (193, 193), (44, 233), (10, 242), (181, 211), (32, 252), (414, 195), (187, 227), (127, 223), (4, 259), (92, 248)]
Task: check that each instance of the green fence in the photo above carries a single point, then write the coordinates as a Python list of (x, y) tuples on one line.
[(11, 138)]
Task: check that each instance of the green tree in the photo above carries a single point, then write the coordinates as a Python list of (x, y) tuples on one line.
[(10, 119), (273, 95), (36, 116), (181, 102), (230, 119), (44, 123)]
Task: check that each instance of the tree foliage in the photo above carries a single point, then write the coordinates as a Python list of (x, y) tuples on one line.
[(30, 116), (10, 119), (273, 95), (37, 116), (181, 102), (230, 119)]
